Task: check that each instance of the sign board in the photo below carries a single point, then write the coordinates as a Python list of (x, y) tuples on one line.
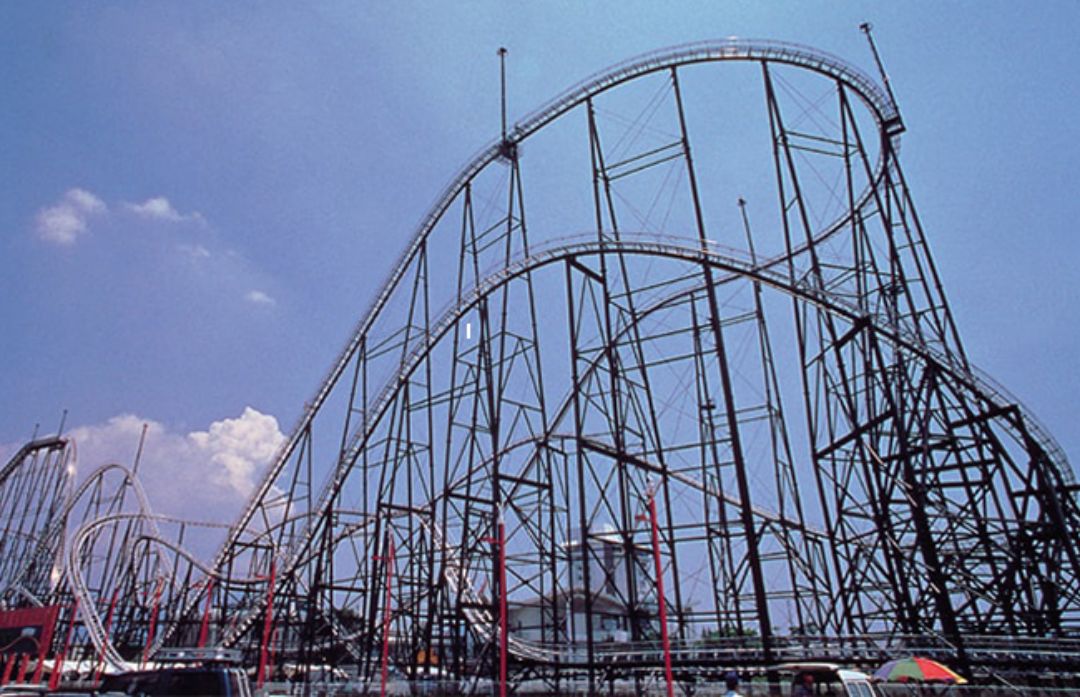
[(27, 630)]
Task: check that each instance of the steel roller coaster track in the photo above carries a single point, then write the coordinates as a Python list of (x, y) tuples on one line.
[(833, 477)]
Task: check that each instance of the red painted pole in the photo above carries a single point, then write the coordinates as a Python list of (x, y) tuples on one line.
[(389, 561), (503, 636), (108, 624), (273, 649), (204, 630), (40, 668), (152, 629), (23, 665), (660, 592), (58, 662), (8, 667), (268, 626)]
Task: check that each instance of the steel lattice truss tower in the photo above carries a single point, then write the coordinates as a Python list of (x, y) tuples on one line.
[(592, 315)]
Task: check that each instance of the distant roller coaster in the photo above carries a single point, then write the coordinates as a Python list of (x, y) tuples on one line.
[(665, 383)]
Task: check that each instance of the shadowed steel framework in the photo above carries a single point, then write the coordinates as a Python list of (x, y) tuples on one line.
[(674, 347)]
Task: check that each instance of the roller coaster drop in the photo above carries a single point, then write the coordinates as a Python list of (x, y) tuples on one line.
[(831, 477)]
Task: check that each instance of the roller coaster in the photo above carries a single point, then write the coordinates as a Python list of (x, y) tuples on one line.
[(665, 381)]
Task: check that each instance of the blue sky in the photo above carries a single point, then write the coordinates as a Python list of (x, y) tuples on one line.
[(200, 198)]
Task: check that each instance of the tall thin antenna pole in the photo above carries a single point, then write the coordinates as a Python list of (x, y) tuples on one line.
[(502, 76), (746, 228), (138, 453), (866, 28)]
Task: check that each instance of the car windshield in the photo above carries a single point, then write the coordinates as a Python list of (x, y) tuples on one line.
[(163, 683)]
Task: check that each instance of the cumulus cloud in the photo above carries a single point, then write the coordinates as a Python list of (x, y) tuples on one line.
[(257, 297), (237, 448), (206, 475), (66, 220), (63, 222), (159, 208)]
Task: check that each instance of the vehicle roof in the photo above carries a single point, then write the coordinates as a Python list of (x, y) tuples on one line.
[(822, 670), (20, 688), (188, 668), (808, 667)]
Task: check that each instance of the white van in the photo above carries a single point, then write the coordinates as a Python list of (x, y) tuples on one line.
[(830, 679)]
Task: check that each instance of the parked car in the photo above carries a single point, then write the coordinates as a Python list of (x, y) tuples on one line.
[(830, 679), (205, 681), (184, 673)]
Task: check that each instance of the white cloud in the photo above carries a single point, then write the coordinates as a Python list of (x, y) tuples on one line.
[(86, 201), (64, 221), (259, 298), (159, 208), (206, 475), (238, 448), (195, 251)]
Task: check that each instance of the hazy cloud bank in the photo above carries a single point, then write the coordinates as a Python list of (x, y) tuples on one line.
[(206, 475)]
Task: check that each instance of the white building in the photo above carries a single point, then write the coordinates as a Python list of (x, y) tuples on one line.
[(619, 573), (549, 620), (614, 565)]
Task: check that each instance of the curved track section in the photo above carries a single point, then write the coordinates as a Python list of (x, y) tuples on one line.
[(34, 483), (458, 516)]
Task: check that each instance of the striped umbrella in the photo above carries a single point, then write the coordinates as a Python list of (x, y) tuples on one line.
[(917, 669)]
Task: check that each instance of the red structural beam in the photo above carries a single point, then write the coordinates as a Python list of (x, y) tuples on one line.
[(268, 627)]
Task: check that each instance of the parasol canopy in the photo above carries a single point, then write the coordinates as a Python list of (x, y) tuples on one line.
[(917, 669)]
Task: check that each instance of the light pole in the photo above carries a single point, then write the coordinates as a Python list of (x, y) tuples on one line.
[(268, 626), (204, 628), (388, 560), (664, 641), (500, 542)]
